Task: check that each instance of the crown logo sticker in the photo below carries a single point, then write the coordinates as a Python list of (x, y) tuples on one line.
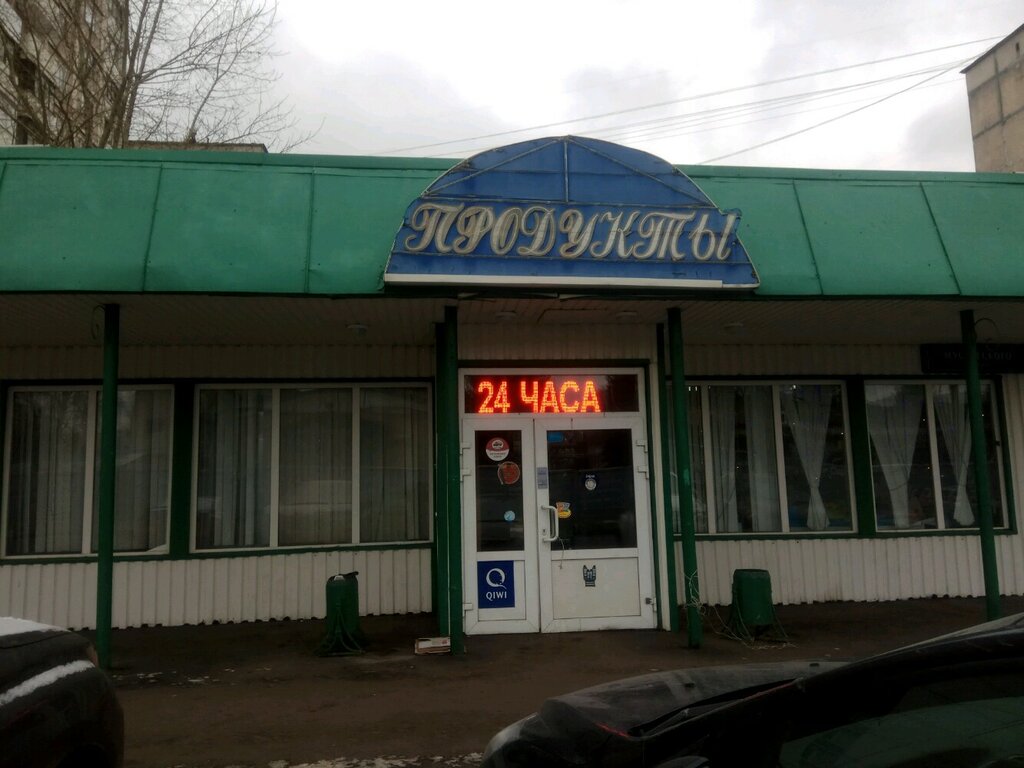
[(590, 576)]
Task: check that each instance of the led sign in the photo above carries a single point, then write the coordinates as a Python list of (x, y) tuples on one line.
[(571, 394)]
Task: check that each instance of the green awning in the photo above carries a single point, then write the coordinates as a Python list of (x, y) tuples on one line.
[(219, 222)]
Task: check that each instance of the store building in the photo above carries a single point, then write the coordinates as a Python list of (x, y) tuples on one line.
[(456, 381)]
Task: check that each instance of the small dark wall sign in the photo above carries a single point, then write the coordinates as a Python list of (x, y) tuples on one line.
[(952, 358)]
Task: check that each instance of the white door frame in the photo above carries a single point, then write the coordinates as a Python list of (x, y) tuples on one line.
[(550, 556), (500, 620), (533, 565)]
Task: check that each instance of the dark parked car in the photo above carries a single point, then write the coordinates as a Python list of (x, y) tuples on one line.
[(955, 701), (57, 707)]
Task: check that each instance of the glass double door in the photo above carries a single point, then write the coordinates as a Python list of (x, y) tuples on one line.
[(556, 525)]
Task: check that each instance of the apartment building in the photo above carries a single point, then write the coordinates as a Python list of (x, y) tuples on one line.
[(57, 63), (995, 91)]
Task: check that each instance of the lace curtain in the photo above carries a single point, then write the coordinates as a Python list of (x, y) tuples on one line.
[(806, 409)]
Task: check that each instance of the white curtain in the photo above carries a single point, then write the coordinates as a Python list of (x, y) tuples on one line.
[(894, 418), (233, 486), (142, 492), (806, 409), (394, 464), (315, 466), (759, 420), (46, 489), (955, 429), (697, 475), (722, 402)]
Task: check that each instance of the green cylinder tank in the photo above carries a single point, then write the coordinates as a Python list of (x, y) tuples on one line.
[(753, 610), (343, 636)]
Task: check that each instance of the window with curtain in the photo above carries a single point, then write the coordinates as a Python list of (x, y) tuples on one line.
[(745, 480), (315, 466), (350, 464), (394, 464), (695, 425), (52, 486), (143, 477), (816, 459), (233, 476), (741, 435), (921, 459)]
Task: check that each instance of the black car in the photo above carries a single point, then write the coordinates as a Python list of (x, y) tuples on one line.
[(953, 702), (57, 707)]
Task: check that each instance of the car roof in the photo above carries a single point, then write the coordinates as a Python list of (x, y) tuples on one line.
[(15, 632)]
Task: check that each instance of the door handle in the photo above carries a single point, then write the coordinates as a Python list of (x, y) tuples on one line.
[(553, 517)]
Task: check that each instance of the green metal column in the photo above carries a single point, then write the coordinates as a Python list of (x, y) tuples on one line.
[(671, 599), (453, 450), (980, 455), (181, 470), (860, 447), (694, 628), (440, 554), (108, 465)]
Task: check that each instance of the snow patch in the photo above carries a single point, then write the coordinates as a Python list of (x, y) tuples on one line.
[(9, 625), (43, 679)]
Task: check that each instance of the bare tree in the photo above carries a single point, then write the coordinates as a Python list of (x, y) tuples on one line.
[(103, 73)]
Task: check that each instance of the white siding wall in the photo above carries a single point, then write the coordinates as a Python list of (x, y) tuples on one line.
[(212, 362), (568, 343), (279, 586), (176, 592), (229, 589)]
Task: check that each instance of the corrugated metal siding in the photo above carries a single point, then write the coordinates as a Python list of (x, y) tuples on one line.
[(476, 342), (175, 592), (580, 342), (251, 588), (801, 360), (570, 343), (804, 571), (855, 569), (221, 361)]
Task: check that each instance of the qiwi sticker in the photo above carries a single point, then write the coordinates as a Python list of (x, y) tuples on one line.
[(497, 449), (508, 473)]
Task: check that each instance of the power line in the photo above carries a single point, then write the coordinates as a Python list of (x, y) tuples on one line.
[(649, 128), (670, 102), (715, 127), (835, 118), (666, 127)]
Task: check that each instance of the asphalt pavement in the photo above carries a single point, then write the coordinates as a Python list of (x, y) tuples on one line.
[(258, 695)]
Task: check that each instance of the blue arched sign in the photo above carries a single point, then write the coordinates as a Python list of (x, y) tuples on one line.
[(568, 211)]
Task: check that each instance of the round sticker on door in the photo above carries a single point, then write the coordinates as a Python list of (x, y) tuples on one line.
[(590, 482), (508, 473), (497, 449)]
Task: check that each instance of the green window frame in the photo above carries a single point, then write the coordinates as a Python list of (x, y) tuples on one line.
[(366, 470), (766, 462), (51, 462), (927, 485)]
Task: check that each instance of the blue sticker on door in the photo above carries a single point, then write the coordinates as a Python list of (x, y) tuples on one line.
[(496, 583)]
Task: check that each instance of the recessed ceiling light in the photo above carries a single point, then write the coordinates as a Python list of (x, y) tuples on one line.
[(506, 314)]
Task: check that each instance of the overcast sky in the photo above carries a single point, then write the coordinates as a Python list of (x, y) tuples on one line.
[(684, 80)]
